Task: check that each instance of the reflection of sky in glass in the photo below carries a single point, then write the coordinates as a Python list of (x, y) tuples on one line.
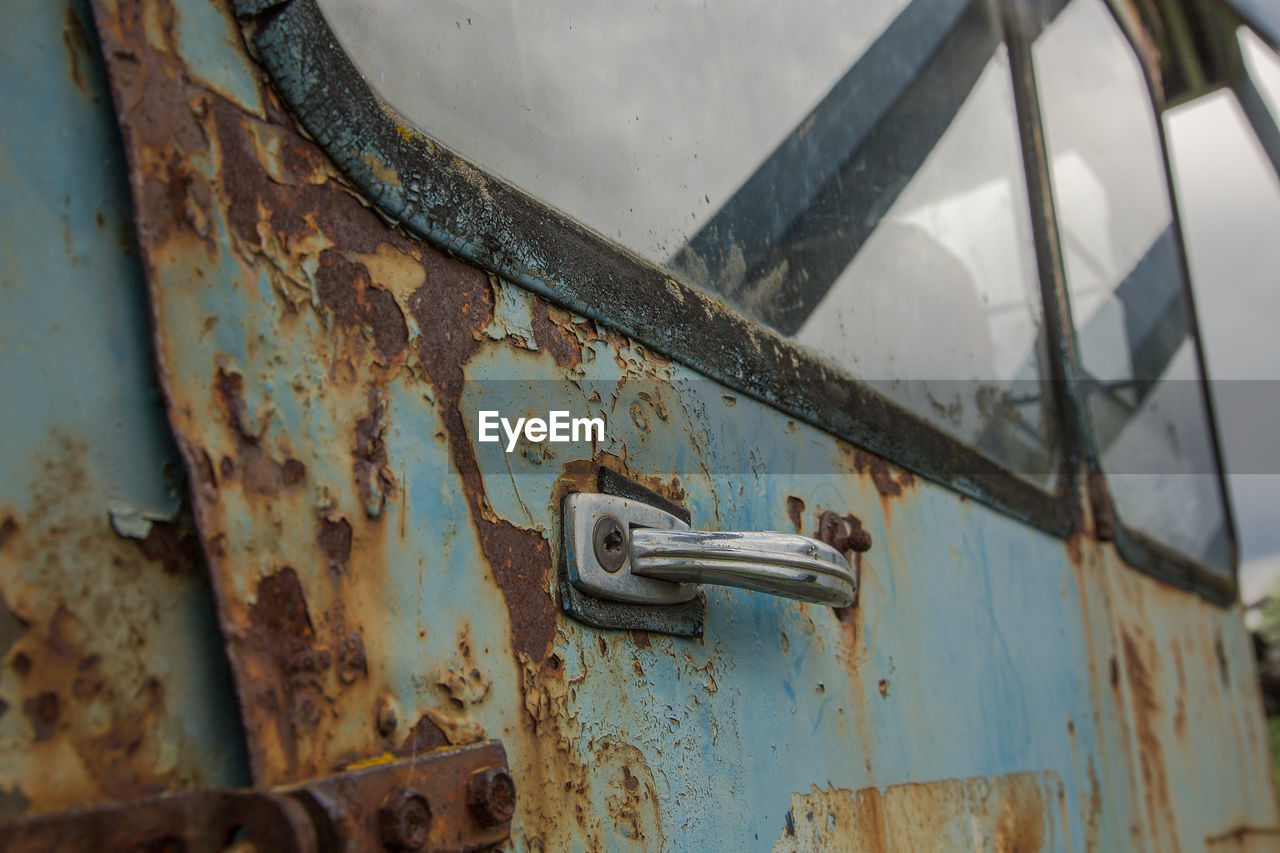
[(946, 287), (638, 119), (967, 204), (1109, 182), (1229, 199), (1263, 67), (1114, 213)]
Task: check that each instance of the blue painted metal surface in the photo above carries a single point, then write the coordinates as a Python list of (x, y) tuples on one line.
[(113, 680), (994, 687)]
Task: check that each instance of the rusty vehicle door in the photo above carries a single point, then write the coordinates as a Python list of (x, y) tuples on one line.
[(339, 289)]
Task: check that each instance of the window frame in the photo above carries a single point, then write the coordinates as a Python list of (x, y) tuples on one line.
[(1173, 76), (1140, 550), (437, 195)]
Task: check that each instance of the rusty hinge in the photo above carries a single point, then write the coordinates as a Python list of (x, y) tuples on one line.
[(454, 799)]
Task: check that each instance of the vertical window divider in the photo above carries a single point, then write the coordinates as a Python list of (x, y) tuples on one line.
[(1058, 329)]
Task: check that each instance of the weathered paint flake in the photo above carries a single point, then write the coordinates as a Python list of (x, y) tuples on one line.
[(1006, 814)]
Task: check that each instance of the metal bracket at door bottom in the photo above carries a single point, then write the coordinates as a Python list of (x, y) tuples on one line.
[(621, 549), (456, 799)]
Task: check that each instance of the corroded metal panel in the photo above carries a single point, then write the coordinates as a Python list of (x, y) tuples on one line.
[(386, 583), (1183, 678), (113, 680)]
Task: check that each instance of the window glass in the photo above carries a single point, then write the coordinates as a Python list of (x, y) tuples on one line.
[(1263, 67), (1138, 369), (638, 119), (1229, 198), (847, 173), (940, 306)]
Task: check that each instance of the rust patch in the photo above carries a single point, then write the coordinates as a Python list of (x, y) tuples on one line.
[(1146, 716), (795, 512), (423, 737), (293, 472), (1003, 813), (868, 811), (43, 710), (297, 206), (352, 664), (521, 561), (174, 544), (465, 686), (1093, 810), (1244, 838), (1220, 652), (333, 537), (7, 528), (1180, 697), (632, 800), (89, 679), (12, 626), (369, 467), (847, 535), (79, 50), (581, 475), (881, 475), (201, 467), (348, 291), (451, 308), (13, 802), (549, 336), (844, 533), (260, 474), (282, 631), (229, 386), (1075, 549)]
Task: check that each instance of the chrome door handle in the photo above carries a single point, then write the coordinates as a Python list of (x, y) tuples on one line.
[(625, 550), (783, 564)]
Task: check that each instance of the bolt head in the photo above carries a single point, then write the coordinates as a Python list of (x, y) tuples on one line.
[(858, 540), (491, 795), (609, 542), (404, 821)]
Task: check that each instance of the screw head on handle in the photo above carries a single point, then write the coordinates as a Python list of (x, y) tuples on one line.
[(609, 541)]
